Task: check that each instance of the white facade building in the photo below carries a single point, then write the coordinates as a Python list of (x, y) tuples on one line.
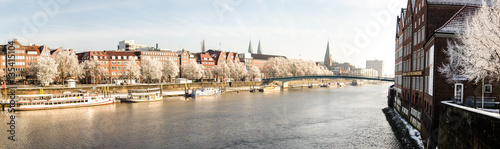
[(361, 72), (376, 65), (129, 45)]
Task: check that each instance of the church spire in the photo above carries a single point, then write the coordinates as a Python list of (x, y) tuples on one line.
[(250, 49), (203, 46), (259, 49), (328, 56)]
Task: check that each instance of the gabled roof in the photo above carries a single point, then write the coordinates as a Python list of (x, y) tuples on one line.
[(456, 2), (456, 23), (205, 55)]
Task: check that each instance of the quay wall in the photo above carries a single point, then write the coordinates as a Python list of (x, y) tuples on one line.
[(464, 127), (125, 88)]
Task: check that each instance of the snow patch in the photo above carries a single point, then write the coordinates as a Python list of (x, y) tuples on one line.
[(414, 133)]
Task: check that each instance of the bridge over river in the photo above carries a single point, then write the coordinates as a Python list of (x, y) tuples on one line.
[(286, 79)]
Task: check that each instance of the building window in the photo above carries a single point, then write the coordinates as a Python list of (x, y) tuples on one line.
[(113, 68), (423, 33), (459, 90), (488, 88)]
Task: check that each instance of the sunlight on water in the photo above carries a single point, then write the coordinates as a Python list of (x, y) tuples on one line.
[(348, 117)]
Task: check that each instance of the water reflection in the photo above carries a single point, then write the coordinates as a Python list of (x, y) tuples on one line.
[(295, 118)]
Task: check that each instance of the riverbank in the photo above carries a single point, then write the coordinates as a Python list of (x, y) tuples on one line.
[(169, 89), (407, 136)]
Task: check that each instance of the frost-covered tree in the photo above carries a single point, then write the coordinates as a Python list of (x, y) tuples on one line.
[(131, 69), (208, 73), (479, 44), (46, 68), (476, 53), (278, 67), (92, 70), (254, 72), (193, 71), (67, 65), (222, 70), (151, 69), (170, 69), (2, 74), (238, 70)]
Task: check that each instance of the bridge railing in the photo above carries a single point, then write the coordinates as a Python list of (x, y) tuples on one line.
[(328, 77)]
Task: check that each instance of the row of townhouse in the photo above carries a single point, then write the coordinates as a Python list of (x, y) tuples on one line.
[(114, 61), (423, 30), (22, 57)]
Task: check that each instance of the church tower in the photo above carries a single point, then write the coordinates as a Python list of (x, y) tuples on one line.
[(328, 56), (259, 49), (250, 49)]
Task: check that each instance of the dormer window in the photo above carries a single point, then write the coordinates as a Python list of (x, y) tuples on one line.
[(112, 57)]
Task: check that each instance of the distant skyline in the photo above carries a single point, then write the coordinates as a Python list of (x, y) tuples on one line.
[(358, 30)]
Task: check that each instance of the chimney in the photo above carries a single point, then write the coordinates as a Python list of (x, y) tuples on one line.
[(156, 46)]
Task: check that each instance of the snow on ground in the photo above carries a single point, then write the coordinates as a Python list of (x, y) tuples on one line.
[(415, 135), (490, 110)]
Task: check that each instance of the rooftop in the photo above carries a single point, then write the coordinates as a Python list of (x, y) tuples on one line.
[(456, 23), (456, 2)]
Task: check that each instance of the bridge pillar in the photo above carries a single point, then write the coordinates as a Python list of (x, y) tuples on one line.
[(284, 84)]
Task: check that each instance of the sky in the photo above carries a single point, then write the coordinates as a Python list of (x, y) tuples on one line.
[(357, 30)]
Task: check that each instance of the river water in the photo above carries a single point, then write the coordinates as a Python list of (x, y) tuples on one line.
[(349, 117)]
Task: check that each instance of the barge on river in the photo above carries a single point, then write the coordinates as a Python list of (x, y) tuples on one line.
[(206, 91), (142, 95)]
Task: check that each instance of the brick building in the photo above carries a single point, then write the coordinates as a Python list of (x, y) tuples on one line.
[(423, 29), (25, 55)]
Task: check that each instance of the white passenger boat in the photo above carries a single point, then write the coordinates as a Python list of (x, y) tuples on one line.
[(56, 101), (142, 95), (206, 91)]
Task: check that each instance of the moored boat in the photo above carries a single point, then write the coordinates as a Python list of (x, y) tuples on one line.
[(142, 95), (56, 101), (329, 85), (340, 84), (356, 83), (314, 86), (270, 89), (206, 91)]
